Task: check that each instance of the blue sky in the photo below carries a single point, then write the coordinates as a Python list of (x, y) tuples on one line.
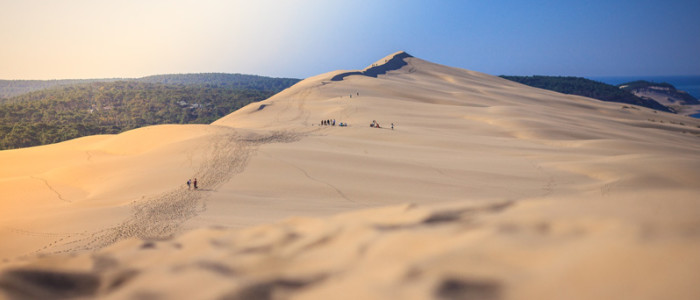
[(96, 39)]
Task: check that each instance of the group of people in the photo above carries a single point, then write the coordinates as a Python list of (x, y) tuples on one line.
[(375, 124), (332, 123), (190, 183)]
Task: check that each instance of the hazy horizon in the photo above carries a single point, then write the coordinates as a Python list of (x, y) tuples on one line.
[(130, 39), (592, 77)]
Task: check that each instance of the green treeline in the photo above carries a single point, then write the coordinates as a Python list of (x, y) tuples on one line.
[(223, 80), (587, 88), (11, 88), (67, 112)]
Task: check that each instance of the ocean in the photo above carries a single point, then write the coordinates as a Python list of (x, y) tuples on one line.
[(690, 84)]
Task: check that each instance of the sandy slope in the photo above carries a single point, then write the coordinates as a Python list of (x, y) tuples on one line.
[(488, 189)]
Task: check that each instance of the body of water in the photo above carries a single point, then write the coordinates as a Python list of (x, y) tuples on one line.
[(690, 84)]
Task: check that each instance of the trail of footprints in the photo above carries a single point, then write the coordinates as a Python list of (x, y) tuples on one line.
[(162, 216)]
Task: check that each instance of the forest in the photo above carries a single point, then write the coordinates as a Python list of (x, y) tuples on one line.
[(11, 88), (70, 111), (587, 88)]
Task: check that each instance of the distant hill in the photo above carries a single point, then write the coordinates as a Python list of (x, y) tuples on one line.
[(69, 111), (664, 93), (587, 88)]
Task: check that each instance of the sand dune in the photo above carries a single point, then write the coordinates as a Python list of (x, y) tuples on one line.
[(484, 189)]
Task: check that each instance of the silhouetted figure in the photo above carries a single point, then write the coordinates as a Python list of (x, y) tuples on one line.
[(333, 122), (189, 183), (195, 183), (392, 126)]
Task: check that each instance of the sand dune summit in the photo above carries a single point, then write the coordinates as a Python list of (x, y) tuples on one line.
[(483, 189)]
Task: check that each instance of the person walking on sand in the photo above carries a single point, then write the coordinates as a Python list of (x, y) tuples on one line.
[(195, 183), (189, 182), (392, 126)]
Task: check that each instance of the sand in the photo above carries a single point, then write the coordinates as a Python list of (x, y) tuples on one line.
[(484, 189)]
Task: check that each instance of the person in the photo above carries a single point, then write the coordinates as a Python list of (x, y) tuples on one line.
[(189, 182), (333, 122), (392, 126), (195, 183)]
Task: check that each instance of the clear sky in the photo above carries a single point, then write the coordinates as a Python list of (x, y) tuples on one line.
[(51, 39)]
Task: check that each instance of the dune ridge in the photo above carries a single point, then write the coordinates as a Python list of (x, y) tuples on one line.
[(483, 189), (393, 62)]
